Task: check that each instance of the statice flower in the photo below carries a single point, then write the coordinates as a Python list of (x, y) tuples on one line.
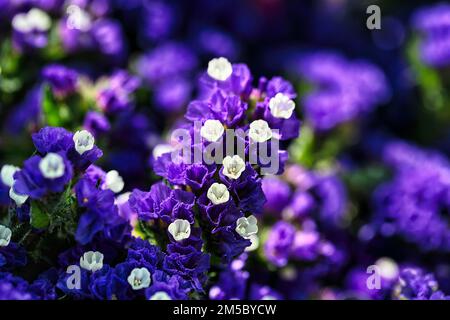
[(30, 30), (414, 203), (415, 284), (114, 94), (62, 80), (342, 91), (433, 24)]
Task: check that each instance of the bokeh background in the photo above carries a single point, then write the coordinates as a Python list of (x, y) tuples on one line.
[(368, 178)]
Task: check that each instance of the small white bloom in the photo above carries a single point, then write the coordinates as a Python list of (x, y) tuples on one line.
[(218, 193), (35, 19), (161, 149), (212, 130), (233, 166), (281, 106), (84, 141), (247, 227), (5, 236), (180, 229), (52, 166), (7, 174), (92, 261), (114, 181), (260, 131), (388, 268), (254, 239), (220, 69), (139, 278), (160, 295), (19, 199), (78, 18)]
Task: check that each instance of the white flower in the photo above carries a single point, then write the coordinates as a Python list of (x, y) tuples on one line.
[(246, 227), (254, 239), (5, 236), (19, 199), (220, 69), (260, 131), (218, 193), (139, 278), (388, 268), (180, 229), (92, 261), (212, 130), (52, 166), (84, 141), (114, 181), (161, 149), (281, 106), (78, 18), (233, 166), (160, 295), (35, 19), (7, 174)]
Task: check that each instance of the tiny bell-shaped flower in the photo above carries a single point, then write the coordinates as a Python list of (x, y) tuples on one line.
[(139, 278), (19, 199), (260, 131), (5, 236), (218, 193), (212, 130), (233, 166), (281, 106), (52, 166), (92, 261), (246, 227), (220, 69), (180, 229), (114, 181), (7, 174), (84, 141), (160, 295)]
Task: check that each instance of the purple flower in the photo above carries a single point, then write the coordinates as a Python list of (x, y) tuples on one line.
[(13, 288), (433, 23), (277, 193), (277, 248), (344, 90), (109, 40), (41, 175), (413, 203), (115, 95), (174, 287), (415, 284), (166, 61), (62, 80), (96, 123)]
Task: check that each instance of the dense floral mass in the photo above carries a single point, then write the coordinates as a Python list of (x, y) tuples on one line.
[(165, 150)]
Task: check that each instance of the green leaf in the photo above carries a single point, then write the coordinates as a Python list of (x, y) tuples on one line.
[(39, 219), (50, 108)]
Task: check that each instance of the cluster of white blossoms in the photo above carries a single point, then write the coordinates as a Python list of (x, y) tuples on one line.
[(84, 141), (220, 69), (92, 261), (260, 131), (139, 278), (52, 166), (180, 229), (5, 236), (281, 106), (35, 19)]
